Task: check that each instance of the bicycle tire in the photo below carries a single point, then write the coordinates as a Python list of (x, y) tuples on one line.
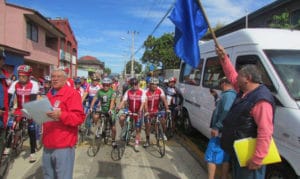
[(94, 146), (116, 153), (160, 142), (128, 133), (17, 143), (169, 128)]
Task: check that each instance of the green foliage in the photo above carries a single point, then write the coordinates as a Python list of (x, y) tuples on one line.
[(283, 21), (107, 70), (137, 67), (160, 51)]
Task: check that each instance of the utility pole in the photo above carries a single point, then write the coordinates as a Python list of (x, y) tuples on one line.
[(132, 51)]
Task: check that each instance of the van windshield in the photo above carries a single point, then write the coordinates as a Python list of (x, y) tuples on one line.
[(287, 65)]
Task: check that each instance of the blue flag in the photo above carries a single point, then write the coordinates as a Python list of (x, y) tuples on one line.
[(190, 28)]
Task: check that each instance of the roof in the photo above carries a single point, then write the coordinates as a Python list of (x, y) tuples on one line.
[(40, 19), (266, 38), (85, 60), (239, 24)]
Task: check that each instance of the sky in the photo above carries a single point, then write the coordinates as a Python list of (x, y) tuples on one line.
[(105, 28)]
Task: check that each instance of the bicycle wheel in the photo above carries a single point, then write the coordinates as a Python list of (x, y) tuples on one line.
[(17, 143), (128, 133), (94, 146), (169, 129), (116, 153), (160, 142)]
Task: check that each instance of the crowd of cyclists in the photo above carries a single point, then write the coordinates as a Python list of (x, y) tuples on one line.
[(144, 97)]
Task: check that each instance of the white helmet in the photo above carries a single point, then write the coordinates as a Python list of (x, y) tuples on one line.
[(106, 81)]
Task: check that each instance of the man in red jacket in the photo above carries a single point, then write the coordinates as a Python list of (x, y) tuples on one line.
[(60, 134)]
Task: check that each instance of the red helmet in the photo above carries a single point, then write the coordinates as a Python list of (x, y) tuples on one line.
[(173, 79), (24, 70)]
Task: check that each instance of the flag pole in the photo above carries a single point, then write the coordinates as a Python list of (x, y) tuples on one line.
[(208, 24)]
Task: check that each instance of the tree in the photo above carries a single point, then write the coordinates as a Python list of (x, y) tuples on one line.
[(137, 67), (107, 70), (282, 21), (161, 51)]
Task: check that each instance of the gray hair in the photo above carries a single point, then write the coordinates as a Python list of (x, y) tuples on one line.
[(251, 72), (60, 69)]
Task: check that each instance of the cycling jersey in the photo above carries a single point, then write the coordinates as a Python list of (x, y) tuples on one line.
[(173, 96), (153, 99), (23, 92), (135, 99), (92, 91), (105, 98)]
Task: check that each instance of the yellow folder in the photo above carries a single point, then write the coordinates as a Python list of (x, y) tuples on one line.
[(245, 148)]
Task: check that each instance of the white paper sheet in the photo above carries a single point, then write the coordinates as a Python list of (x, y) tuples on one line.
[(37, 110)]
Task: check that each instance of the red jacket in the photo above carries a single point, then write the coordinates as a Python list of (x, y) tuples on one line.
[(5, 99), (63, 133)]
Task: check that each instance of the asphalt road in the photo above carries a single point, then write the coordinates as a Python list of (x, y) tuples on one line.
[(183, 159)]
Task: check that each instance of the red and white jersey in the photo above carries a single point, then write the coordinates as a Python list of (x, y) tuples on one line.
[(92, 90), (135, 99), (153, 99), (23, 92)]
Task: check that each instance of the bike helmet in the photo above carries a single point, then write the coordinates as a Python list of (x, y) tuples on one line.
[(154, 80), (133, 81), (47, 78), (77, 81), (106, 81), (24, 70), (173, 79)]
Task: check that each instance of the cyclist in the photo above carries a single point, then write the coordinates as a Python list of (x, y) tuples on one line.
[(174, 99), (90, 92), (26, 90), (135, 97), (78, 87), (154, 95), (107, 101)]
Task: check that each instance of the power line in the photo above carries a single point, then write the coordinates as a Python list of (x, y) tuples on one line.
[(157, 26)]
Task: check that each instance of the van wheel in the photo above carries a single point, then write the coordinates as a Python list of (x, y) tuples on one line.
[(280, 171), (187, 127)]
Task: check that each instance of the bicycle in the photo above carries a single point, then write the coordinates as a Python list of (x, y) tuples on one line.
[(4, 159), (84, 129), (125, 136), (159, 132), (169, 125), (15, 132), (101, 131)]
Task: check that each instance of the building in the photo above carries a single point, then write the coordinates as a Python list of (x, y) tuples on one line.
[(263, 17), (26, 30), (91, 64), (68, 46)]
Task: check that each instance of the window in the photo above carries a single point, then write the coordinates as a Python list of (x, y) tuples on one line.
[(295, 17), (213, 72), (32, 31), (254, 59), (191, 75)]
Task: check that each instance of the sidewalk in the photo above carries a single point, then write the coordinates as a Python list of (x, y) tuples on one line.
[(21, 165)]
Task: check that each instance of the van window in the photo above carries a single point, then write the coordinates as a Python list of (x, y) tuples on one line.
[(254, 59), (213, 72), (190, 75), (287, 65)]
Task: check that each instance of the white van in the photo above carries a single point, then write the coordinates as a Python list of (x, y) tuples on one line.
[(276, 52)]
